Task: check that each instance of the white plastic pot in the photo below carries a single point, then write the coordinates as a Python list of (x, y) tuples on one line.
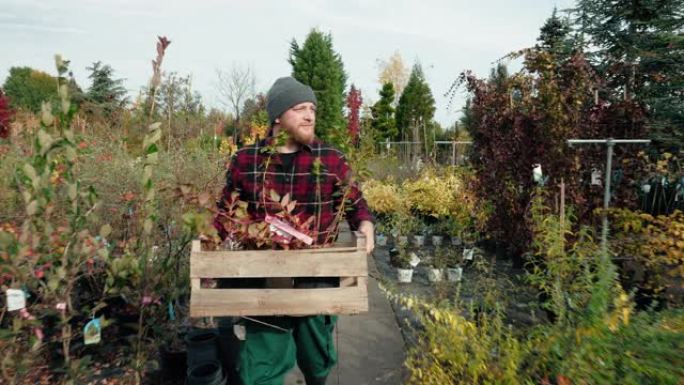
[(437, 240), (454, 274), (456, 241), (435, 275), (402, 240), (418, 240), (404, 275), (381, 240)]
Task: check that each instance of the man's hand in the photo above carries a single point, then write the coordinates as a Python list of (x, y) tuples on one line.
[(366, 227)]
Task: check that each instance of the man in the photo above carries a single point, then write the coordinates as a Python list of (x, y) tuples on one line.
[(317, 177)]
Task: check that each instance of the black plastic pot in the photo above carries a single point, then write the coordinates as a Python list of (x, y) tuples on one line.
[(202, 346), (229, 347), (206, 373), (173, 364)]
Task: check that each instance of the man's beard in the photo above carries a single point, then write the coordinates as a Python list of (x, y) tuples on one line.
[(302, 138)]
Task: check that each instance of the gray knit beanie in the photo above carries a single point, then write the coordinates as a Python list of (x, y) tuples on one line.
[(285, 93)]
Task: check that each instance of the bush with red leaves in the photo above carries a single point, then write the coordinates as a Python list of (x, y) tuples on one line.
[(6, 114)]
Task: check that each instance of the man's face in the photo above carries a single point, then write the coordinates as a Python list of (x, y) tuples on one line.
[(299, 122)]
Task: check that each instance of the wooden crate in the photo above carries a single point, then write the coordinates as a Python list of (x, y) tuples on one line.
[(346, 259)]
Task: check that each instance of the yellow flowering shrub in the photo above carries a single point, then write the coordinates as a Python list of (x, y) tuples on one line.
[(654, 245), (455, 350), (383, 197)]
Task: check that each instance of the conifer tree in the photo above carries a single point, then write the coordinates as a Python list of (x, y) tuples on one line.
[(316, 64)]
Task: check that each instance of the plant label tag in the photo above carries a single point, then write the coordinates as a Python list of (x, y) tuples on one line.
[(468, 254), (595, 177), (172, 313), (414, 260), (16, 299), (240, 332), (286, 228), (646, 188), (92, 332)]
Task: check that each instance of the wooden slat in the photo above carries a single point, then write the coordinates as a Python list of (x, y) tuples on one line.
[(196, 245), (360, 240), (295, 302), (347, 260), (257, 264)]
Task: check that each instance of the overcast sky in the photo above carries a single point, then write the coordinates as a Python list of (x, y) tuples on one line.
[(447, 37)]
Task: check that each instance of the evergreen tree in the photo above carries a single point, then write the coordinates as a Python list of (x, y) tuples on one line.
[(416, 109), (319, 66), (384, 124), (28, 88), (554, 36), (105, 92), (639, 48)]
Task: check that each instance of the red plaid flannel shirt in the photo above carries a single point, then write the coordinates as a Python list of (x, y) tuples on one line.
[(317, 186)]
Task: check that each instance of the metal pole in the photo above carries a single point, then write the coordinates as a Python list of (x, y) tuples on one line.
[(606, 198), (453, 153), (610, 142)]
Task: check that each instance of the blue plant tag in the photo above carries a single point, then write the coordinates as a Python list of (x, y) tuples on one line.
[(172, 313), (92, 332)]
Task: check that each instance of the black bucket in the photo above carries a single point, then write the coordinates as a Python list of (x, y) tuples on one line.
[(173, 363), (206, 373), (202, 346)]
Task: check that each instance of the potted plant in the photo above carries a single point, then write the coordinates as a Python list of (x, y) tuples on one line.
[(419, 228), (439, 229), (470, 238), (402, 224), (452, 227), (403, 264), (436, 265), (381, 232), (454, 271)]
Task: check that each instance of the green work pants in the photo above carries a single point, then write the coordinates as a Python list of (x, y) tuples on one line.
[(267, 354)]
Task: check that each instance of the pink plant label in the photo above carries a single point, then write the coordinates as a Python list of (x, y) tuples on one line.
[(287, 229)]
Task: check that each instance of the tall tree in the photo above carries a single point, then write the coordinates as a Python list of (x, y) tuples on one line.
[(28, 88), (235, 87), (354, 101), (384, 124), (639, 47), (316, 64), (394, 71), (554, 36), (180, 107), (105, 92), (416, 109)]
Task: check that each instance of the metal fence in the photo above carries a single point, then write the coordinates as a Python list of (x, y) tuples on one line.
[(441, 152)]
